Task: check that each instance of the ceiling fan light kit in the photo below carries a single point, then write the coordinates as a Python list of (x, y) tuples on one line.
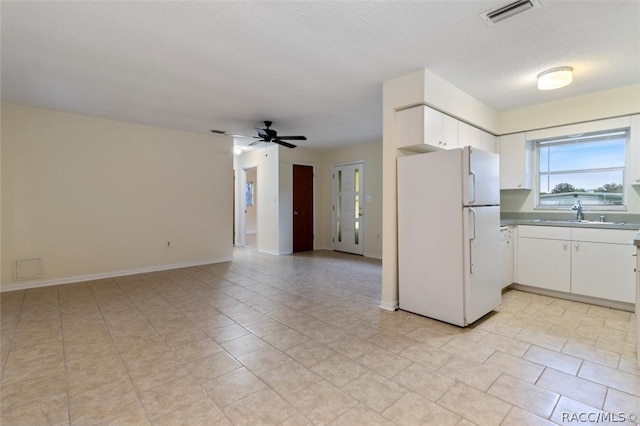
[(555, 78)]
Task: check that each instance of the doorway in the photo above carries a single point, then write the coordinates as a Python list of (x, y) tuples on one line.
[(251, 207), (302, 208), (348, 206)]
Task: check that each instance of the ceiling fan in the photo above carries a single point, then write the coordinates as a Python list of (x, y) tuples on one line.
[(270, 135)]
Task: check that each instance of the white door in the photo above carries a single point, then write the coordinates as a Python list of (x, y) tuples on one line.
[(348, 208)]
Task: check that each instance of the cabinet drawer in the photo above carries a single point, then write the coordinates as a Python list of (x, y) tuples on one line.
[(612, 236), (546, 232)]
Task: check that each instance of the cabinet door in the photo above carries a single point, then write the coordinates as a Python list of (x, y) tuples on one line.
[(488, 142), (603, 270), (515, 167), (424, 129), (410, 127), (544, 263), (433, 127), (468, 136), (449, 132), (507, 257)]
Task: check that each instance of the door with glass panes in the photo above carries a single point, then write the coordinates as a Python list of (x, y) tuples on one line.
[(348, 208)]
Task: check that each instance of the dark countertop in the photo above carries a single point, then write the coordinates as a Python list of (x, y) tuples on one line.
[(575, 224)]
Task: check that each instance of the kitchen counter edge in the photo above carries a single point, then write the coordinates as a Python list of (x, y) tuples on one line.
[(626, 226)]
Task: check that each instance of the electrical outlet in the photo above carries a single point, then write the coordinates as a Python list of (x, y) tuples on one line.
[(168, 243), (378, 236)]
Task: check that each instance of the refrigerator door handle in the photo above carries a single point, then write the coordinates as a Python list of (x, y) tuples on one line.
[(473, 176), (472, 212), (472, 223)]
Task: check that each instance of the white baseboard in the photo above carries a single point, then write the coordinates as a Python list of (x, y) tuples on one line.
[(623, 306), (373, 255), (80, 278), (393, 306)]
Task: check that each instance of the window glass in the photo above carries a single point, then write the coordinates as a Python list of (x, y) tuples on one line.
[(588, 167)]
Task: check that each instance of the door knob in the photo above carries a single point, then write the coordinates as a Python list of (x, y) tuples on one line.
[(295, 212)]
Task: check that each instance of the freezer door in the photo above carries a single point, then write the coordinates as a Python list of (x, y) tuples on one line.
[(481, 177), (482, 287)]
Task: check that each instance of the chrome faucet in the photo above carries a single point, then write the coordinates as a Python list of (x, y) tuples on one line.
[(578, 208)]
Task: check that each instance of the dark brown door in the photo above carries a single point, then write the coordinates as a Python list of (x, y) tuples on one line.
[(302, 208)]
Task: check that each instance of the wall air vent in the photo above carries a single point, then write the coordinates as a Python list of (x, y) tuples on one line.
[(505, 12)]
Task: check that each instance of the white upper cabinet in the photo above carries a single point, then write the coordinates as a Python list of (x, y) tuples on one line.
[(476, 138), (468, 135), (488, 142), (515, 162), (634, 151), (424, 129)]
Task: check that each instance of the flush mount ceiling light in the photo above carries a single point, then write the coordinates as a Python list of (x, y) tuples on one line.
[(555, 78)]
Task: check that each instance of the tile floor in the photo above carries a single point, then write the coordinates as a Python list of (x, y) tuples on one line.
[(300, 340)]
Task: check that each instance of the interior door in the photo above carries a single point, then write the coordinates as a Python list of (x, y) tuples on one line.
[(348, 208), (302, 208)]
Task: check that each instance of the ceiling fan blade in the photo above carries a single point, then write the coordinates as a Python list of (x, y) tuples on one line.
[(283, 143), (256, 142), (293, 138), (262, 132)]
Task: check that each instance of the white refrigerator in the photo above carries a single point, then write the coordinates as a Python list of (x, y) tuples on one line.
[(449, 234)]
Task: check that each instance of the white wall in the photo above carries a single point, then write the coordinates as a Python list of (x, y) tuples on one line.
[(266, 160), (95, 197)]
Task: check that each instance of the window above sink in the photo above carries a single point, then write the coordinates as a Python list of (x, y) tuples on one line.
[(587, 167)]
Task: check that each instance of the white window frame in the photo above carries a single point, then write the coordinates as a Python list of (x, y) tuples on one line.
[(560, 132)]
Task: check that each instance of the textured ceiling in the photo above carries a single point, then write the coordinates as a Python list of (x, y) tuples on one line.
[(312, 67)]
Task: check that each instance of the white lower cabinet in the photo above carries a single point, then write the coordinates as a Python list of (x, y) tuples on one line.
[(588, 262), (602, 264), (544, 263), (507, 243)]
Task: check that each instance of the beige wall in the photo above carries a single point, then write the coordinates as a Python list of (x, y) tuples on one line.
[(593, 106), (94, 197), (371, 155)]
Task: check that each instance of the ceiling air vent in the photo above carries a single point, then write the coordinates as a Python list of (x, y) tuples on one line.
[(505, 12)]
